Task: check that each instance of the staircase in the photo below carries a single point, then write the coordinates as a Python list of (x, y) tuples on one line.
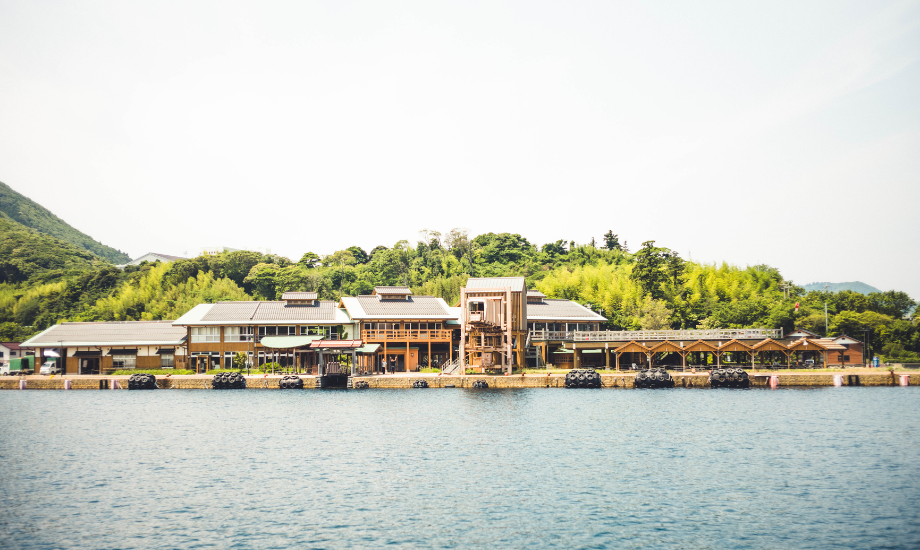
[(452, 367)]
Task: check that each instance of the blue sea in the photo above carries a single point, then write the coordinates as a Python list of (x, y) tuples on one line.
[(457, 468)]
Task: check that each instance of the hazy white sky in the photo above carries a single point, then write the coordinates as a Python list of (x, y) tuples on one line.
[(785, 133)]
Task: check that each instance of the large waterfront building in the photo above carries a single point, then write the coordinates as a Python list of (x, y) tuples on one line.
[(97, 348), (405, 331), (497, 324)]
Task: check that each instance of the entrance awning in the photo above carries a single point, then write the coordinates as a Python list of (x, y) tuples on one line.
[(122, 351), (368, 348), (87, 354), (287, 342), (336, 344)]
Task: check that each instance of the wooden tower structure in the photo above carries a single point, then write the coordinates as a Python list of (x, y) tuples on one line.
[(493, 323)]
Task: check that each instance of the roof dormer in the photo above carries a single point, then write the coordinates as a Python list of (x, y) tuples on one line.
[(392, 292), (299, 298), (535, 297)]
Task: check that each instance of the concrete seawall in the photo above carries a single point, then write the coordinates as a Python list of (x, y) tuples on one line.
[(620, 381)]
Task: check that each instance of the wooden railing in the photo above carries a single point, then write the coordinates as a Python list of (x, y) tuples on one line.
[(656, 335), (420, 335)]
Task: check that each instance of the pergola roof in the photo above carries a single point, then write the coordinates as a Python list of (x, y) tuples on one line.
[(701, 345), (666, 346), (734, 345), (632, 347), (770, 345)]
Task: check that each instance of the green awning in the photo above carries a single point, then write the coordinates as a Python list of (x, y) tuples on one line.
[(563, 351), (287, 342), (368, 348), (592, 351)]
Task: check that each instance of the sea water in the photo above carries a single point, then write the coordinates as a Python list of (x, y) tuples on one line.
[(458, 468)]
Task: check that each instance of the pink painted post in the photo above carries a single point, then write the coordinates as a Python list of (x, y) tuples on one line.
[(22, 384), (67, 385), (774, 381), (905, 380)]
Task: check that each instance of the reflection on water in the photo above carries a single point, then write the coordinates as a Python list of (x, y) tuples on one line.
[(461, 468)]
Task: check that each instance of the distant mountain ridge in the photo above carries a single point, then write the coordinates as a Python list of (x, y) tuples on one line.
[(855, 286), (23, 210)]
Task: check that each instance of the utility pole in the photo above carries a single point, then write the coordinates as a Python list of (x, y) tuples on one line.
[(785, 287), (825, 311)]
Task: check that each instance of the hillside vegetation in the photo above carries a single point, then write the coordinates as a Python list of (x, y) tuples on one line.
[(14, 206), (650, 288)]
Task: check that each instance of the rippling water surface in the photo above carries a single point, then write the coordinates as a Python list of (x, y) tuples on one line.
[(452, 468)]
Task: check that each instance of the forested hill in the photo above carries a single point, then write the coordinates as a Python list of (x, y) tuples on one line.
[(651, 288), (29, 213), (854, 286)]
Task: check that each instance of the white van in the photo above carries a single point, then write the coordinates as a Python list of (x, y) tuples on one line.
[(50, 367)]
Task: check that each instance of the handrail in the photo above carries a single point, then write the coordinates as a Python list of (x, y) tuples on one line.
[(641, 335), (403, 335)]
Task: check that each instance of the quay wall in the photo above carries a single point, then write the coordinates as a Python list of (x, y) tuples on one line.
[(619, 381)]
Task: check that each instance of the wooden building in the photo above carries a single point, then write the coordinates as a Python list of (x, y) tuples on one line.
[(100, 348), (409, 331), (493, 321), (555, 321), (217, 332)]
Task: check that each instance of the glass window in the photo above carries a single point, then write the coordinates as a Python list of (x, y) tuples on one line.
[(124, 361), (238, 334), (205, 334), (167, 360)]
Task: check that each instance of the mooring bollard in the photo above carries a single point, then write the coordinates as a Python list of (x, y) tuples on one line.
[(113, 384), (838, 379), (67, 384), (774, 381), (905, 380), (22, 384)]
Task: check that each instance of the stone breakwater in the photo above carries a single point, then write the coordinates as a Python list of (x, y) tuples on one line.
[(620, 381)]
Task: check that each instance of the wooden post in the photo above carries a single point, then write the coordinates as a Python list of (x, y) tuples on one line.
[(606, 356), (463, 330), (618, 360)]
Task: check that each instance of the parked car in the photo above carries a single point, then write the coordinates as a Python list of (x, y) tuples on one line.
[(50, 367)]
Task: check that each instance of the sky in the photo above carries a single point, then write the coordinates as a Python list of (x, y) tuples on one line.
[(781, 133)]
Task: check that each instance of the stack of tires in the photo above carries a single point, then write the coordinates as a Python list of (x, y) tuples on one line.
[(291, 383), (420, 384), (142, 382), (228, 381), (654, 378), (582, 378), (729, 378), (361, 385), (480, 385)]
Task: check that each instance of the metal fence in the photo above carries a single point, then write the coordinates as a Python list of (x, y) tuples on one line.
[(656, 335)]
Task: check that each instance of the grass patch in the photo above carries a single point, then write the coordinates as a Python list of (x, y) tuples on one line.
[(430, 370), (158, 372)]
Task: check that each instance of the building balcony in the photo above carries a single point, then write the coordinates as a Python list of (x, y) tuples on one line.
[(421, 335)]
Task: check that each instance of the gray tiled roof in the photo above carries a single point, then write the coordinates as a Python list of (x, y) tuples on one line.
[(125, 332), (236, 312), (426, 306), (277, 311), (299, 296), (561, 310), (514, 283)]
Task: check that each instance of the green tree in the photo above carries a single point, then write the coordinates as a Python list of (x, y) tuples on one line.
[(612, 241), (649, 270), (309, 260)]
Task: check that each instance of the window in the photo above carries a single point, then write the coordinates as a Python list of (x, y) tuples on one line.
[(277, 331), (238, 334), (124, 361), (205, 334), (167, 360), (477, 307)]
